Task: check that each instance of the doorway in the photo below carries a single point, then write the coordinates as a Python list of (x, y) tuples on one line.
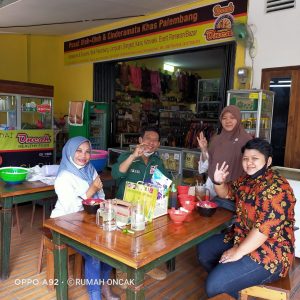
[(285, 82), (209, 62)]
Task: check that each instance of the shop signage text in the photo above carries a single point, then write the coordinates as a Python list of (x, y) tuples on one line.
[(197, 27)]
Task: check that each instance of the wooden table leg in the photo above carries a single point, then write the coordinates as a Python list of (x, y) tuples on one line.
[(135, 291), (5, 232), (171, 264), (60, 267)]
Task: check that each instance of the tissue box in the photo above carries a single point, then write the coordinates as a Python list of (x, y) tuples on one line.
[(122, 210)]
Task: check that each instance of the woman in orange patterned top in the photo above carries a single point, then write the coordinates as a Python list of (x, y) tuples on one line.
[(260, 248)]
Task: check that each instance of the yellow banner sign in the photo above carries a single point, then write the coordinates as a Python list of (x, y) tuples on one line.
[(22, 140), (202, 26)]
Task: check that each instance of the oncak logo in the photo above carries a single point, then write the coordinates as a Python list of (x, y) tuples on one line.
[(23, 138), (223, 23)]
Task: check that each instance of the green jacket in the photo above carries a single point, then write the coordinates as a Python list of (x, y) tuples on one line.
[(138, 171)]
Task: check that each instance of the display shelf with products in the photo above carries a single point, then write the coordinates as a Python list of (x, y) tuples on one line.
[(256, 109), (8, 112), (208, 99), (133, 110), (26, 124), (127, 138), (36, 113), (174, 126)]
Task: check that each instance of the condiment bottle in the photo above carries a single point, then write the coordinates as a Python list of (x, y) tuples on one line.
[(173, 196)]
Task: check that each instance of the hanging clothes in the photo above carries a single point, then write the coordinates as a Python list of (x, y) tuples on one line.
[(146, 80), (136, 77), (155, 83), (124, 74)]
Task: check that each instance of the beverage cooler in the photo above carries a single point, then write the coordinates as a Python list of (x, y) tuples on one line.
[(256, 108), (26, 130), (91, 120)]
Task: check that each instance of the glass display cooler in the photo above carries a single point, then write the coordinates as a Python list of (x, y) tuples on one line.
[(113, 155), (256, 108), (190, 159), (171, 157), (26, 130)]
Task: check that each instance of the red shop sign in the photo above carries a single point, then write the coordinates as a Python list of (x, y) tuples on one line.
[(43, 108)]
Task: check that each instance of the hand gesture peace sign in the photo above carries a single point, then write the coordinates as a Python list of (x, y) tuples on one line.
[(221, 173), (202, 142)]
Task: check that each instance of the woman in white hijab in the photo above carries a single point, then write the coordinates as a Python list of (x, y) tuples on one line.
[(77, 179)]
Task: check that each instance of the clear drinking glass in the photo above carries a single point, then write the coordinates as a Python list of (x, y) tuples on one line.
[(109, 217), (99, 215), (137, 218), (199, 192)]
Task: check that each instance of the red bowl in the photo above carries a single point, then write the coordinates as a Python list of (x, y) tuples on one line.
[(186, 197), (182, 189), (177, 216), (206, 208), (188, 204)]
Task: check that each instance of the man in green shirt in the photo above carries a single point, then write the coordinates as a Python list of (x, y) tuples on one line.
[(140, 166)]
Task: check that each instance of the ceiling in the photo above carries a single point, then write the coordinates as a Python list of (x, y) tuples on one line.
[(14, 13), (27, 17)]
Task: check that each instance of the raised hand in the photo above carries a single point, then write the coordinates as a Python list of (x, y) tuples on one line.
[(97, 184), (221, 173), (202, 142), (139, 150)]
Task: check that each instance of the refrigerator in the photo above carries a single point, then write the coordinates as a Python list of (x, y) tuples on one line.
[(95, 124), (256, 108)]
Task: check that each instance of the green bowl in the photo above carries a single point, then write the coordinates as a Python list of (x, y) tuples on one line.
[(13, 175)]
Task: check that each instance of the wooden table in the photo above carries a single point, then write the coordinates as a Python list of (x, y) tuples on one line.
[(135, 253), (10, 195)]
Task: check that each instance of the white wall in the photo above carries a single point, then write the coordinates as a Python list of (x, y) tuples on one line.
[(277, 35)]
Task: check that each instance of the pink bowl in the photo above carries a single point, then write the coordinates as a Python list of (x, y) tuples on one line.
[(207, 204), (98, 154), (92, 201), (188, 204), (177, 216), (91, 205), (182, 189), (186, 197), (206, 208)]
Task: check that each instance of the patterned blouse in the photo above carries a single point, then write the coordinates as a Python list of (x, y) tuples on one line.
[(266, 203)]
